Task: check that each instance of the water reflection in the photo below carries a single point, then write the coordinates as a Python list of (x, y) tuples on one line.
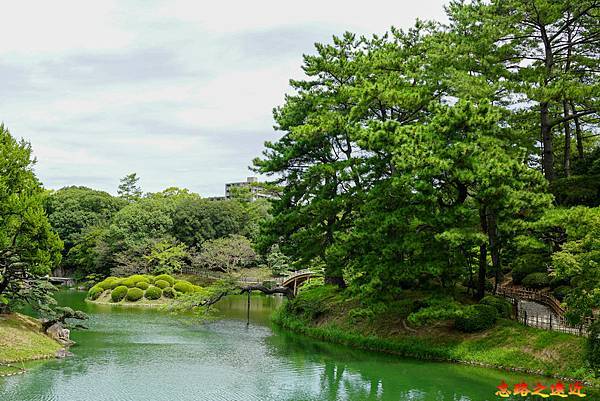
[(140, 354)]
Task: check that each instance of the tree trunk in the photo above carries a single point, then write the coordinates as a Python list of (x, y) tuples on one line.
[(482, 257), (578, 134), (547, 145), (494, 248), (567, 124), (482, 271)]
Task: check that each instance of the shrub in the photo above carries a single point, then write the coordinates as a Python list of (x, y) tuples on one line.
[(162, 284), (536, 280), (151, 279), (153, 292), (561, 292), (166, 278), (527, 264), (95, 292), (168, 292), (131, 281), (312, 303), (476, 318), (109, 283), (593, 347), (118, 293), (503, 307), (184, 286), (142, 285), (436, 311), (134, 294)]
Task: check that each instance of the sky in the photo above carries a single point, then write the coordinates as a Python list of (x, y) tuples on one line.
[(180, 91)]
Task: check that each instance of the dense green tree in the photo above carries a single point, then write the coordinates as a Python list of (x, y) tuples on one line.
[(198, 220), (29, 248), (74, 213)]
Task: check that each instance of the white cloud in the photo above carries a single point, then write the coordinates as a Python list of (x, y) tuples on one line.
[(180, 91)]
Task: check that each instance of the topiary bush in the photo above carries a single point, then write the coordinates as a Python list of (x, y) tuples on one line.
[(536, 280), (109, 283), (166, 278), (503, 307), (118, 293), (142, 285), (169, 292), (153, 292), (134, 294), (95, 292), (184, 286), (162, 284), (151, 279), (131, 281), (476, 318), (527, 264)]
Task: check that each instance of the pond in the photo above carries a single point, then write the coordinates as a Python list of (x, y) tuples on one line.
[(131, 354)]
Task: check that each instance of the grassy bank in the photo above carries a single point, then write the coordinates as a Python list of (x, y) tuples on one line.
[(326, 314), (21, 339)]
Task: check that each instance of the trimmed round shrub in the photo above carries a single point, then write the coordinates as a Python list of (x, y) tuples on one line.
[(169, 292), (142, 285), (503, 307), (150, 278), (536, 280), (118, 293), (131, 281), (134, 294), (166, 278), (527, 264), (109, 283), (476, 318), (183, 286), (162, 284), (561, 292), (95, 292), (153, 292)]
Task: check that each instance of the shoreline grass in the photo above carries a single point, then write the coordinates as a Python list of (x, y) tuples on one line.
[(507, 346)]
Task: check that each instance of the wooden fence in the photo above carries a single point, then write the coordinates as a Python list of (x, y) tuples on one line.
[(552, 322), (531, 295)]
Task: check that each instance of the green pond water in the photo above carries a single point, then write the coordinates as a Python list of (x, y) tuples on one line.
[(131, 354)]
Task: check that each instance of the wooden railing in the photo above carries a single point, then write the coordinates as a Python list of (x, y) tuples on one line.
[(531, 295)]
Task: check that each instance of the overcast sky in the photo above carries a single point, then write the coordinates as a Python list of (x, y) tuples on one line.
[(180, 92)]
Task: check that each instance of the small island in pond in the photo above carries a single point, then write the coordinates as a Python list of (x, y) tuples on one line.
[(143, 290)]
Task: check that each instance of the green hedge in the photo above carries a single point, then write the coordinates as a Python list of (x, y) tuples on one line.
[(118, 293), (536, 280), (131, 281), (162, 284), (169, 292), (134, 294), (503, 307), (476, 318), (184, 286), (153, 292), (109, 283), (142, 285), (166, 278), (95, 292)]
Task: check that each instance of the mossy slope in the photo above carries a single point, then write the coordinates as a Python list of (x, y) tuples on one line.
[(21, 339), (508, 345)]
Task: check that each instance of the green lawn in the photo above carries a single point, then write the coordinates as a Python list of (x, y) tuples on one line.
[(22, 340)]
